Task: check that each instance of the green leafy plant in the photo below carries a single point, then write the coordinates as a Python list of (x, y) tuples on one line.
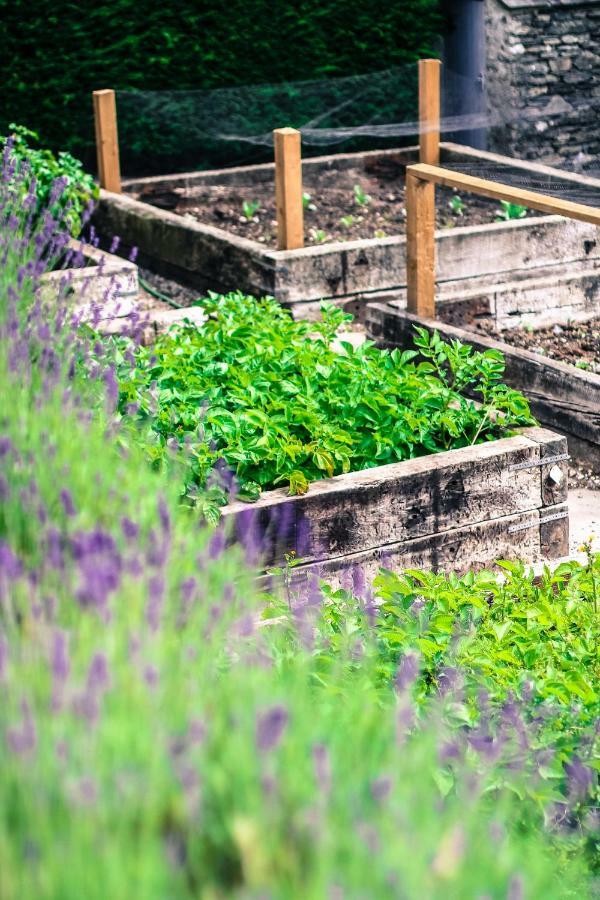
[(318, 235), (360, 197), (509, 211), (46, 168), (307, 202), (272, 397), (347, 221), (457, 205), (250, 208), (380, 233)]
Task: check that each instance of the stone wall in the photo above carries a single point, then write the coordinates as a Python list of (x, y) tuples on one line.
[(543, 61)]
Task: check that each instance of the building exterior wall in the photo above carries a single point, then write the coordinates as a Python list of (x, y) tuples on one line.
[(543, 79)]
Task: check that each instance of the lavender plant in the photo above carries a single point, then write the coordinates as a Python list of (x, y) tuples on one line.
[(164, 728)]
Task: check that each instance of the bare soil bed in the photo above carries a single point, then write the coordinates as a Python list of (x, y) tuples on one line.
[(576, 343), (339, 206)]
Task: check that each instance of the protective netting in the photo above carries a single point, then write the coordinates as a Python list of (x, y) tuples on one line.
[(203, 128)]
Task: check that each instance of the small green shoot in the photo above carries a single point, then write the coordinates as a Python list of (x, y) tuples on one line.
[(360, 197), (347, 221), (307, 202), (457, 205), (250, 208), (509, 211)]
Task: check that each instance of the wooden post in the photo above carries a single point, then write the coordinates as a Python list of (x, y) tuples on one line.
[(429, 111), (288, 189), (107, 140), (420, 246)]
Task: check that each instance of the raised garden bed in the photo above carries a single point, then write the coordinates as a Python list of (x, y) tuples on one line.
[(98, 285), (457, 510), (561, 396), (544, 264)]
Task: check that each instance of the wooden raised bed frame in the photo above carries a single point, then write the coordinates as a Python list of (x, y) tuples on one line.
[(454, 510), (525, 263)]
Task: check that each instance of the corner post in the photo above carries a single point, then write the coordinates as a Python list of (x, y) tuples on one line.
[(429, 111), (288, 189), (107, 140), (420, 246)]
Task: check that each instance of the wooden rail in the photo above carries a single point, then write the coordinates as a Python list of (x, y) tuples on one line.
[(421, 179)]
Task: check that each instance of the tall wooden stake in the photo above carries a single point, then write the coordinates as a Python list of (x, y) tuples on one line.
[(429, 111), (420, 246), (288, 189), (107, 140)]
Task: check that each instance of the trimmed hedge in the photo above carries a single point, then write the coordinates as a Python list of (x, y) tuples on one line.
[(55, 52)]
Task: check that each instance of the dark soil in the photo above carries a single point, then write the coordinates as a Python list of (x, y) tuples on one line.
[(576, 343), (333, 211)]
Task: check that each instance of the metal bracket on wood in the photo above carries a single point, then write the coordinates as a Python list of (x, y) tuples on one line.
[(553, 518), (545, 461)]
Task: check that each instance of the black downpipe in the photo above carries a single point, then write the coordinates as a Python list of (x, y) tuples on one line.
[(464, 60)]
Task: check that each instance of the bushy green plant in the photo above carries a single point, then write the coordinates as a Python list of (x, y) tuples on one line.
[(280, 404), (78, 187)]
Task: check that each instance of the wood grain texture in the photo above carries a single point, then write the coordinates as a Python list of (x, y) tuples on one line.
[(288, 189), (107, 140), (485, 188), (429, 111), (397, 503), (420, 246)]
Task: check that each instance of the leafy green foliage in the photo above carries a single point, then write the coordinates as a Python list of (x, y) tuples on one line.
[(79, 187), (281, 405), (509, 211)]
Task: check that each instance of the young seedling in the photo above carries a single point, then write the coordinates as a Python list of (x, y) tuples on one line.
[(457, 205), (250, 208), (509, 211), (360, 198), (347, 221), (380, 233), (307, 202), (318, 235)]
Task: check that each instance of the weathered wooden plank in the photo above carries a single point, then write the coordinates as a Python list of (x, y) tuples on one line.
[(563, 397), (398, 502), (459, 550)]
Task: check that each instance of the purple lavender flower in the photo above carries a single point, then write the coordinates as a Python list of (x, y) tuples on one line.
[(98, 678), (381, 788), (22, 739), (60, 656), (11, 567), (67, 502), (580, 780), (156, 595), (322, 767), (270, 726), (408, 671)]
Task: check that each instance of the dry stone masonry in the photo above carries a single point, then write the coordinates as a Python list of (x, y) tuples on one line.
[(544, 57)]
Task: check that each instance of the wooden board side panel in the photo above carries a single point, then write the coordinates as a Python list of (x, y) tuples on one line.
[(396, 503)]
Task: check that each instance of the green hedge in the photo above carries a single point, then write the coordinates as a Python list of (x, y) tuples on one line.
[(56, 52)]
